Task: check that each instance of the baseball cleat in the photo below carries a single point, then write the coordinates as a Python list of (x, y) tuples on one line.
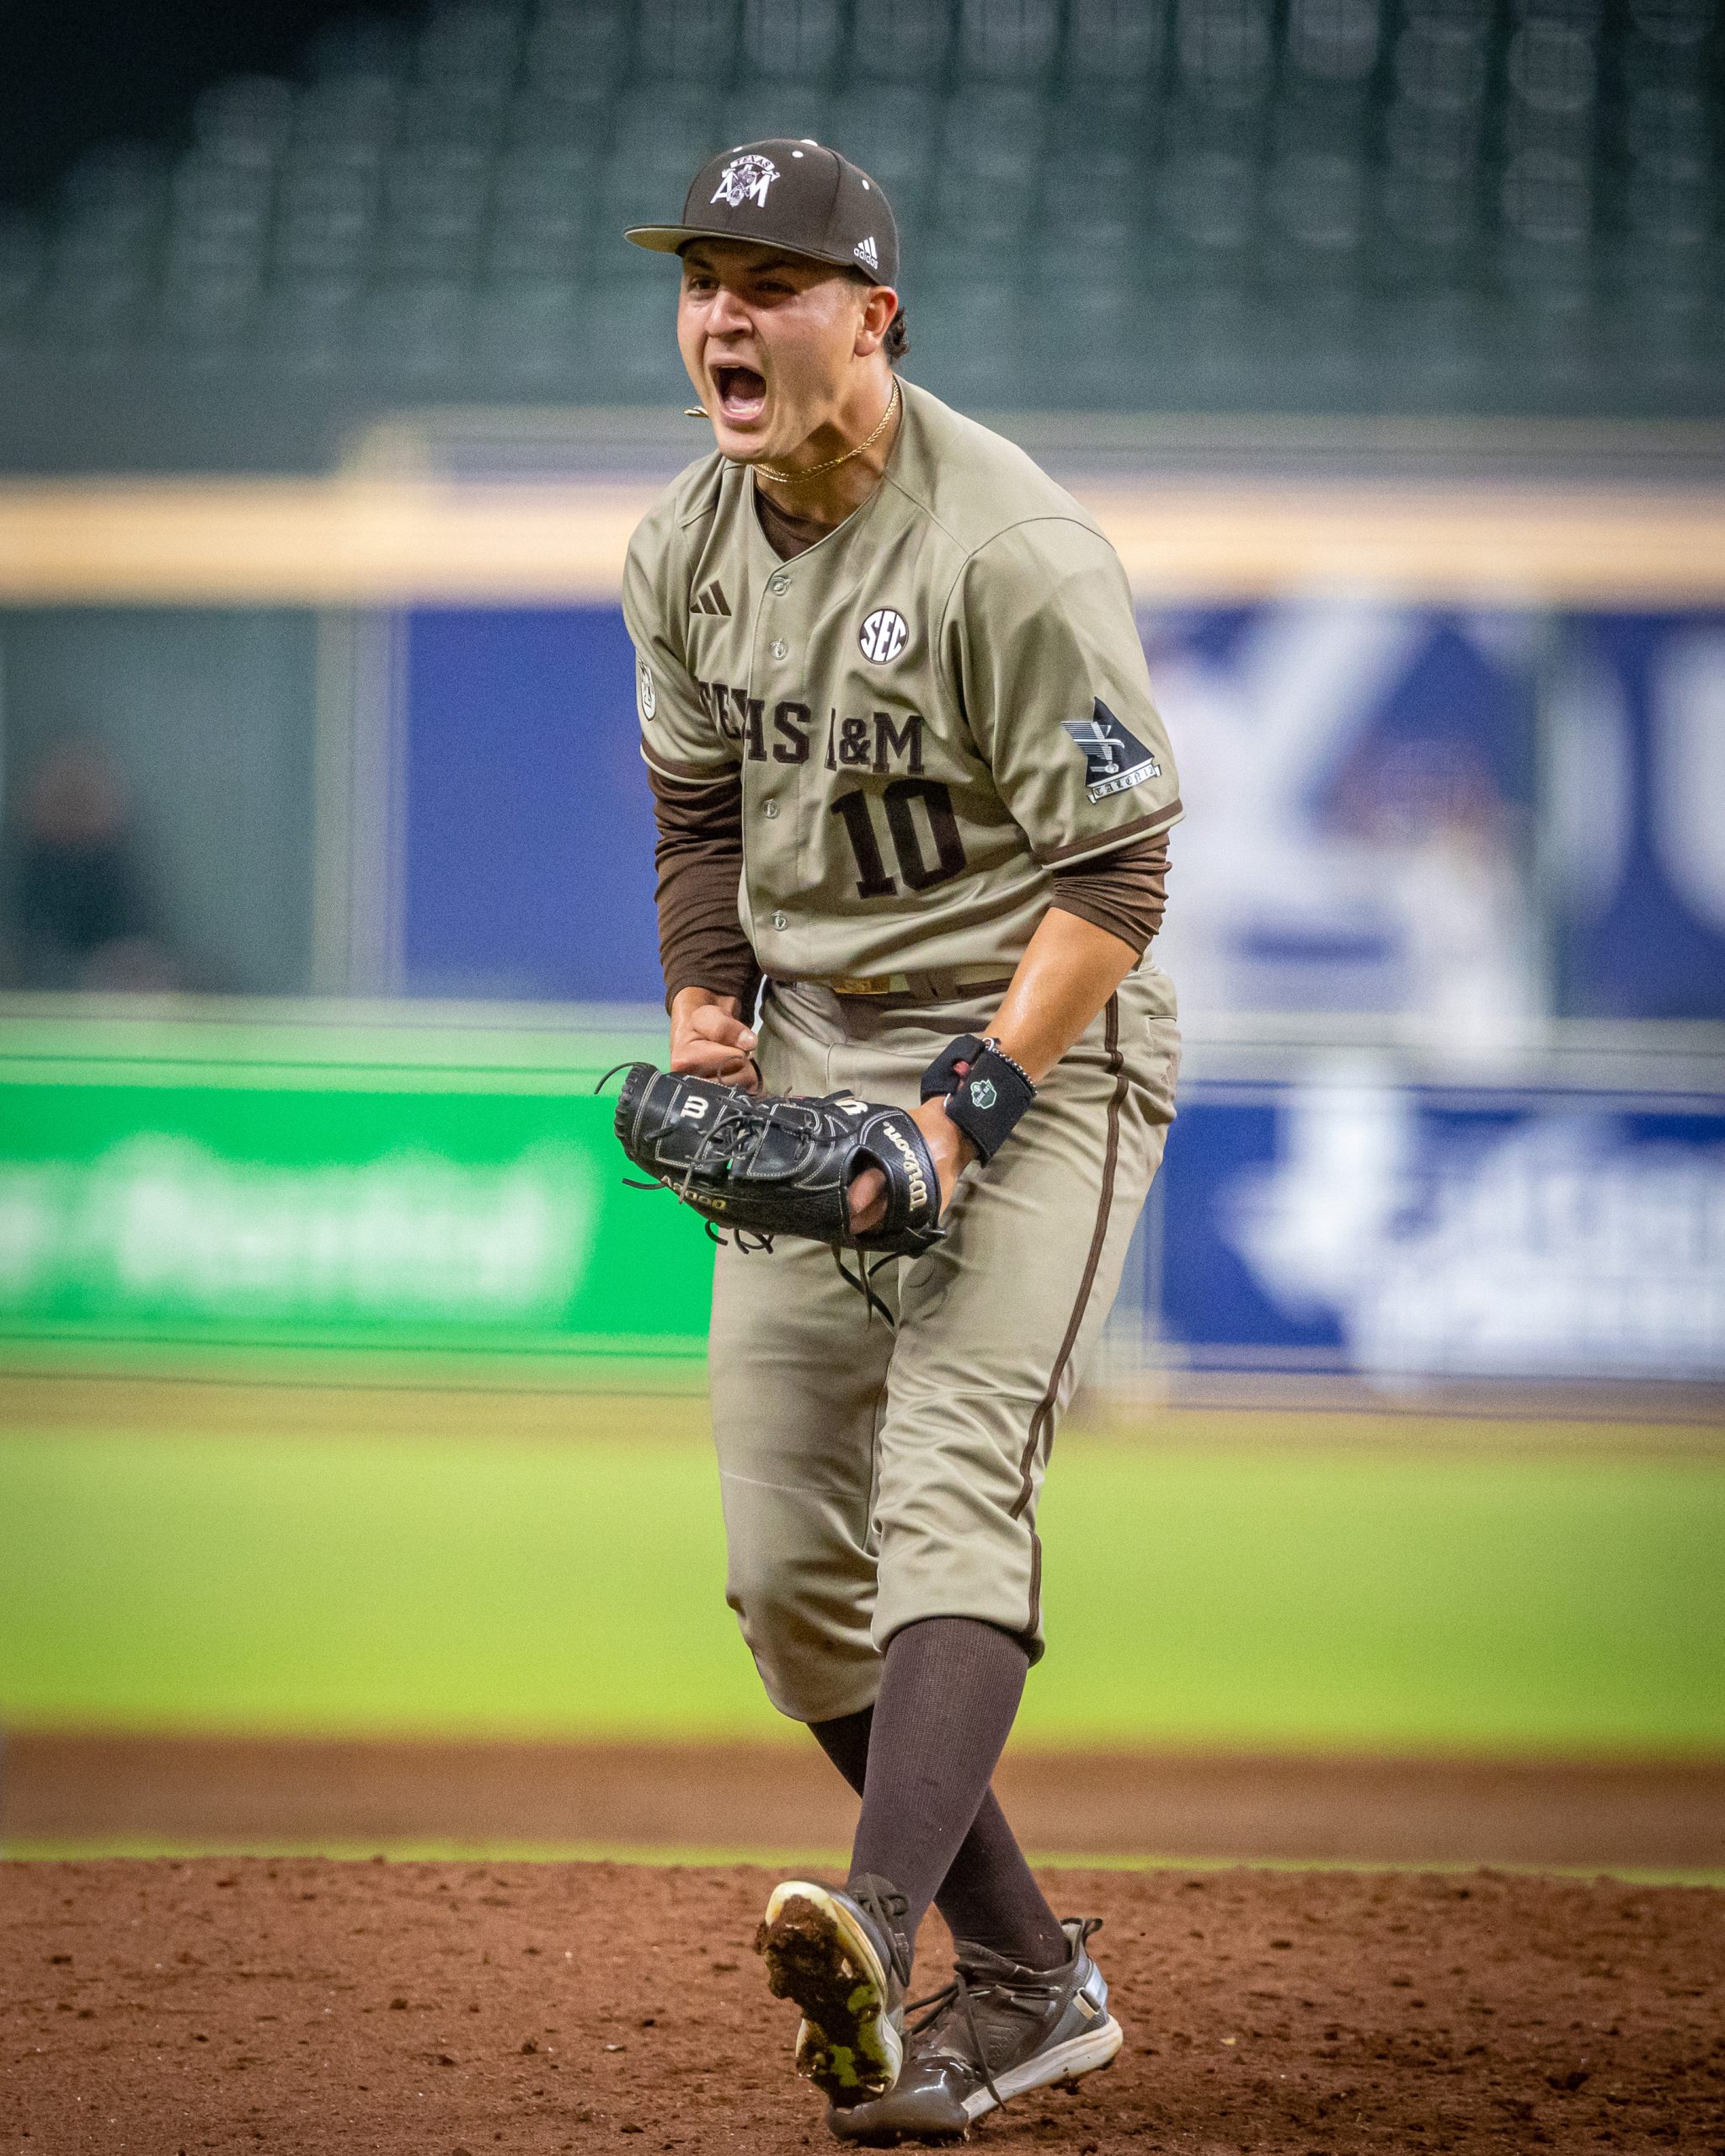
[(836, 1954), (997, 2031)]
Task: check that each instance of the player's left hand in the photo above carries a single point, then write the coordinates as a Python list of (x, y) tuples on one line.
[(952, 1154)]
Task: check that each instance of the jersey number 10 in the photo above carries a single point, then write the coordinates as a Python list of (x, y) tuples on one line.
[(872, 881)]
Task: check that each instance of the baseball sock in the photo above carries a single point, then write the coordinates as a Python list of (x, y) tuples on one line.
[(921, 1758)]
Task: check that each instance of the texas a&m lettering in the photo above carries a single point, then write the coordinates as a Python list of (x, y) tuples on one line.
[(789, 733)]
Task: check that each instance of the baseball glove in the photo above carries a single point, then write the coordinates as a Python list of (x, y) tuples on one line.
[(763, 1166)]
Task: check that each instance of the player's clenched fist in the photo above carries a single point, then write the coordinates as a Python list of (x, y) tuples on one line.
[(709, 1040)]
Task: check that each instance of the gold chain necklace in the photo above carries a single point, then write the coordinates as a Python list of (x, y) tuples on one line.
[(832, 464)]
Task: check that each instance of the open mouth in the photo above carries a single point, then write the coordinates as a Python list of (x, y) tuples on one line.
[(742, 393)]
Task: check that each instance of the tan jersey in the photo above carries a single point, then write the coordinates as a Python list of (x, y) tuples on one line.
[(932, 707)]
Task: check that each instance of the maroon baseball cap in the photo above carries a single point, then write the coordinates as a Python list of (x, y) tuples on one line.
[(799, 196)]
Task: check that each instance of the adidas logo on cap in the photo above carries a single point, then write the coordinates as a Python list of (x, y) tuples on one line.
[(866, 253)]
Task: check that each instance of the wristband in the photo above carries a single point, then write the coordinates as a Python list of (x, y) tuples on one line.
[(988, 1101), (943, 1073)]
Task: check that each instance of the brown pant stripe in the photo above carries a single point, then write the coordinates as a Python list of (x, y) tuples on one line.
[(1041, 1420)]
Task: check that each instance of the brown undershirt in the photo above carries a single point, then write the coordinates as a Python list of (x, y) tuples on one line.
[(787, 535), (1124, 892), (699, 858)]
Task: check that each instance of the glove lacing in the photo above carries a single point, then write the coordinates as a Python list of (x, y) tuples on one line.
[(717, 1147), (862, 1280)]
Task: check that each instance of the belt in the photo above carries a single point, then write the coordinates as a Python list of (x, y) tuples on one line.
[(942, 985)]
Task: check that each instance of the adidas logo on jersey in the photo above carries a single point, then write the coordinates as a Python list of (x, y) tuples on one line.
[(866, 253), (712, 600)]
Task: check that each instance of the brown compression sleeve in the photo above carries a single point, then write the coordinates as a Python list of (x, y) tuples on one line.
[(699, 858), (1123, 892)]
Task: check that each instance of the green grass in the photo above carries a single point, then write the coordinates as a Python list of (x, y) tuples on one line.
[(1278, 1599), (797, 1863)]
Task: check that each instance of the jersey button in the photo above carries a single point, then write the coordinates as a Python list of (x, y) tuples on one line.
[(778, 585), (769, 810), (780, 647), (779, 921)]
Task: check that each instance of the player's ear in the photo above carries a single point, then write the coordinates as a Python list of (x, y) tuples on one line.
[(880, 303)]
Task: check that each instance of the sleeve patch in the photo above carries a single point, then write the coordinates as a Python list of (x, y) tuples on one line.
[(649, 695), (1114, 759)]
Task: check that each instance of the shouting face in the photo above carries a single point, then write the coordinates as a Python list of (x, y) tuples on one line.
[(777, 345)]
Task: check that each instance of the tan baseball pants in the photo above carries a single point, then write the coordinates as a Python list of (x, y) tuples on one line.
[(872, 1477)]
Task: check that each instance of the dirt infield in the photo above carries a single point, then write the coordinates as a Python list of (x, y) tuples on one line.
[(63, 1793), (454, 2010)]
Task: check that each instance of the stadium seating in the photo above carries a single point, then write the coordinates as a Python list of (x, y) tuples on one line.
[(1308, 205)]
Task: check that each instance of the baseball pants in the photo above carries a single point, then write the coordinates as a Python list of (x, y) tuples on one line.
[(872, 1477)]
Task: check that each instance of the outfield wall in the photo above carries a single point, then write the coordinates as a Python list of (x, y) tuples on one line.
[(1448, 708), (442, 1180), (1450, 714)]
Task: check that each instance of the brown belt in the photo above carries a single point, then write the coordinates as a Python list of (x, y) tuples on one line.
[(941, 984)]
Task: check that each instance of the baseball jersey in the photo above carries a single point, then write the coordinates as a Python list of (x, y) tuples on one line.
[(932, 709)]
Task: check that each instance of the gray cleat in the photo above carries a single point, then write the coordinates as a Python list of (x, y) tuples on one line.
[(997, 2031)]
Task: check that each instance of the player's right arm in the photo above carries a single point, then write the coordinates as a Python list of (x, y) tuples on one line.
[(710, 967), (710, 973)]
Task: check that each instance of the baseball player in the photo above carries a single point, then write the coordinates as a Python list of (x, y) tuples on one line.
[(913, 801)]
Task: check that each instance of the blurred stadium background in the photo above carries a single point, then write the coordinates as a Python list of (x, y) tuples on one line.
[(352, 1483)]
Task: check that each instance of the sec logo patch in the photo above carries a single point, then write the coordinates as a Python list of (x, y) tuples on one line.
[(650, 701), (884, 635)]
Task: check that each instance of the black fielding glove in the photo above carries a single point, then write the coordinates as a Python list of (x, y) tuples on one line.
[(763, 1166), (988, 1101), (943, 1073)]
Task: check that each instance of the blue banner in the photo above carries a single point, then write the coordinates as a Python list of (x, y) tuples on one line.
[(1481, 818), (1357, 1224), (528, 857), (1359, 787), (1636, 812)]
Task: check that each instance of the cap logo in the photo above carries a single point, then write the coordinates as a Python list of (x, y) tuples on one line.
[(866, 253), (745, 179)]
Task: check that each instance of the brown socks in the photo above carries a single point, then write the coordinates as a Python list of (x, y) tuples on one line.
[(921, 1758)]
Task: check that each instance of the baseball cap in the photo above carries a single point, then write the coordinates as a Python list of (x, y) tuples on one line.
[(799, 196)]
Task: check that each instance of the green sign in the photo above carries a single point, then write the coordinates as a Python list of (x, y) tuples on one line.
[(261, 1183)]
